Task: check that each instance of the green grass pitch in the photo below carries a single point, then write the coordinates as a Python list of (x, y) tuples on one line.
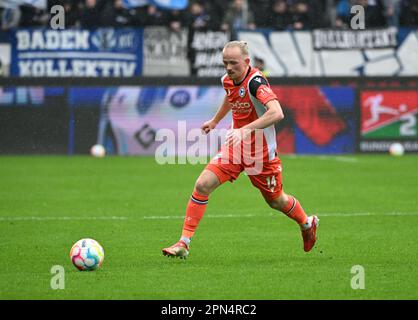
[(367, 205)]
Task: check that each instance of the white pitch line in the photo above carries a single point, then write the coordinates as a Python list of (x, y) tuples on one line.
[(59, 218), (219, 216), (207, 216), (365, 214), (342, 158), (336, 214), (339, 158)]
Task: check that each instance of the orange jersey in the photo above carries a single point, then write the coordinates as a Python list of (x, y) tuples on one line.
[(247, 100)]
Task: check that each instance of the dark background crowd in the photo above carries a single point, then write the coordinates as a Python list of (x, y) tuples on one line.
[(221, 14)]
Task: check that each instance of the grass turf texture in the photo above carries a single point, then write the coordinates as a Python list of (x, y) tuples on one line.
[(248, 252)]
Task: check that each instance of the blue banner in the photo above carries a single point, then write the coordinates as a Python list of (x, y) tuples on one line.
[(103, 52), (40, 4), (129, 4), (170, 4), (162, 4)]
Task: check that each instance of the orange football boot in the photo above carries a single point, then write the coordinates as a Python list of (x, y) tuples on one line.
[(309, 235), (180, 249)]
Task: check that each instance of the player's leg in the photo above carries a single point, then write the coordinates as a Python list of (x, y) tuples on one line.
[(269, 182), (215, 174), (291, 207), (221, 168), (218, 171), (205, 184)]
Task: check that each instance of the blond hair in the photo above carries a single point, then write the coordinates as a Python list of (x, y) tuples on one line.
[(242, 45)]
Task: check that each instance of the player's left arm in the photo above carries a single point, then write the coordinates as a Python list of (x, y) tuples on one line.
[(260, 89), (273, 114)]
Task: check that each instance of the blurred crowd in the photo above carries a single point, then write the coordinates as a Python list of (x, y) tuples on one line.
[(220, 14)]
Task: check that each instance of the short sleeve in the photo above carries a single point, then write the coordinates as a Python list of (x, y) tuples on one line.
[(260, 89)]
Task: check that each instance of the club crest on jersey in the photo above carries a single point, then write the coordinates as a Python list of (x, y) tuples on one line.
[(241, 92)]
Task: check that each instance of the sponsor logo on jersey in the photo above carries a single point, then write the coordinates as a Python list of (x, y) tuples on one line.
[(241, 107)]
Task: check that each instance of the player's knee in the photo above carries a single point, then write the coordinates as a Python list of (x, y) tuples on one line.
[(275, 204), (203, 187), (278, 203)]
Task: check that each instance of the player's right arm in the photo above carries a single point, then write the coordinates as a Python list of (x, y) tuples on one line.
[(220, 114)]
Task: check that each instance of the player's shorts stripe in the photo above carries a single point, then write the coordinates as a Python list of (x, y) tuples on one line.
[(198, 201)]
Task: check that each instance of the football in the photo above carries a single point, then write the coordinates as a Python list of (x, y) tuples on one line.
[(87, 255), (98, 151), (396, 149)]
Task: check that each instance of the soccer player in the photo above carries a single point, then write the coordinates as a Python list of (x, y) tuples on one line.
[(255, 110)]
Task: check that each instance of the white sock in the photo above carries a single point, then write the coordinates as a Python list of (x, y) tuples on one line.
[(308, 223), (186, 240)]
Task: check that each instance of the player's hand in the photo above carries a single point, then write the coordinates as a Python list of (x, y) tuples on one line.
[(235, 136), (208, 126)]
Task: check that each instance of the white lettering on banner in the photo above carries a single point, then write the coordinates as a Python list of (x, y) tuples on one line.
[(76, 68), (383, 146), (209, 40), (128, 69), (165, 52), (207, 58), (75, 55), (106, 68), (127, 40), (37, 40), (348, 39), (292, 54), (210, 72), (79, 53), (207, 49), (52, 40)]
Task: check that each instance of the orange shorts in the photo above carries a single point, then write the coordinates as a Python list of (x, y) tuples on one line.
[(268, 181)]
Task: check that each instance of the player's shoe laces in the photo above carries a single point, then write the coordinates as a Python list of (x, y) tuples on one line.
[(309, 234), (180, 249)]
